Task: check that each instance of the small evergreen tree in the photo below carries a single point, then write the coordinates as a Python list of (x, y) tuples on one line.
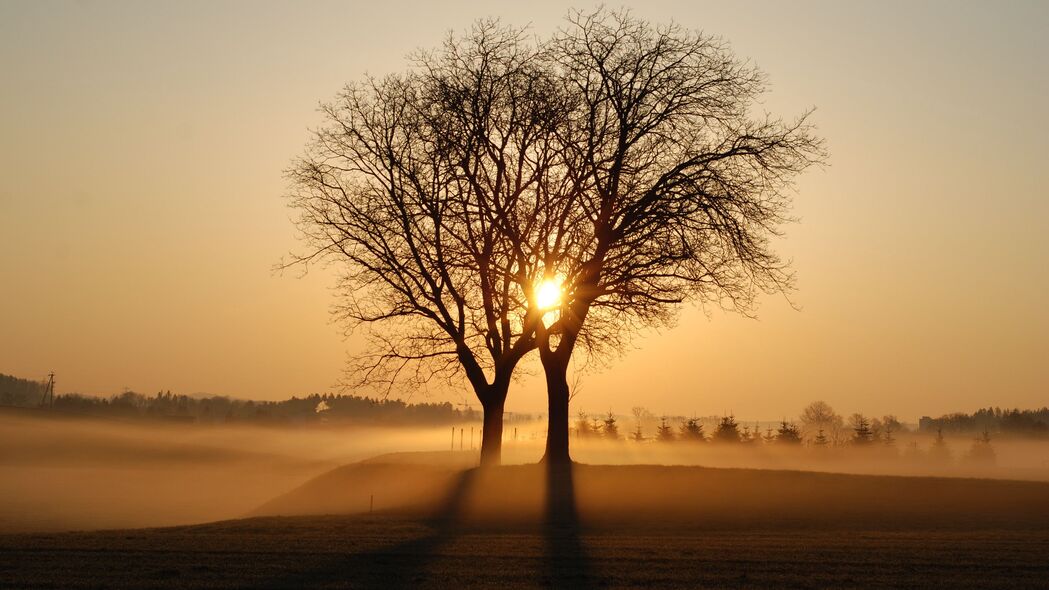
[(747, 437), (768, 438), (637, 436), (821, 439), (982, 452), (610, 429), (939, 451), (861, 430), (665, 432), (789, 434), (582, 425), (727, 430), (887, 437), (692, 430)]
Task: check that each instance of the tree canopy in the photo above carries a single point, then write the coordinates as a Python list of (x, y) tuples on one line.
[(619, 164)]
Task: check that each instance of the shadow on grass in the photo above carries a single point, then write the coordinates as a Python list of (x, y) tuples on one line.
[(566, 561), (401, 566), (409, 564)]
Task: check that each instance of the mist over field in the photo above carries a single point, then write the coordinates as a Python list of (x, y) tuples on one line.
[(59, 473), (73, 472)]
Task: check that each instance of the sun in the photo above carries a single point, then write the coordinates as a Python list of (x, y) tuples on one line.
[(548, 293)]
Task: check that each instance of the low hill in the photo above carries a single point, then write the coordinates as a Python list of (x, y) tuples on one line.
[(665, 496)]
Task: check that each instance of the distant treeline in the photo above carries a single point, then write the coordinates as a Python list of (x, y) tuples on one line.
[(1018, 422), (818, 423), (310, 409), (20, 392), (166, 406)]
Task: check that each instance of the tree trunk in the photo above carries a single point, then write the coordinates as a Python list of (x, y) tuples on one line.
[(492, 403), (492, 433), (557, 424)]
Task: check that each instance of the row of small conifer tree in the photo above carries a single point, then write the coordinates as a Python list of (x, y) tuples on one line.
[(788, 433)]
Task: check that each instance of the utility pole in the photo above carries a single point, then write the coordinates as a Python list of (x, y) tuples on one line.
[(49, 391)]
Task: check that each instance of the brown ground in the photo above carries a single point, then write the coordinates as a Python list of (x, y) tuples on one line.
[(594, 526), (391, 552)]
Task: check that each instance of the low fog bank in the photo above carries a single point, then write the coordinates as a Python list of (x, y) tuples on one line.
[(65, 472), (912, 455), (62, 472)]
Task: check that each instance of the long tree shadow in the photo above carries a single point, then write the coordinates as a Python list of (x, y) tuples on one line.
[(567, 563), (401, 566)]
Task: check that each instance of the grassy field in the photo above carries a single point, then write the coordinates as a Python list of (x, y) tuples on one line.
[(437, 525), (391, 552)]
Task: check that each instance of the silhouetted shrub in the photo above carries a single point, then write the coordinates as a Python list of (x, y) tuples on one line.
[(982, 452), (789, 433), (609, 429), (727, 431), (692, 430), (665, 433)]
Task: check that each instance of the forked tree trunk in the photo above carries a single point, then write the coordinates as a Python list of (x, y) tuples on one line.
[(557, 407)]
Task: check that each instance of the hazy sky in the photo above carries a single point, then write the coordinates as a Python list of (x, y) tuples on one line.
[(141, 155)]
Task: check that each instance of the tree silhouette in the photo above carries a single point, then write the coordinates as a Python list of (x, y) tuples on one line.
[(582, 425), (820, 440), (665, 432), (788, 433), (637, 435), (982, 452), (609, 428), (887, 437), (861, 430), (768, 437), (819, 415), (727, 431), (939, 451), (617, 160), (639, 413), (692, 430)]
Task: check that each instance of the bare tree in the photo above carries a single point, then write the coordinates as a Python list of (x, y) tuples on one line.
[(618, 161), (673, 189), (820, 416), (413, 188)]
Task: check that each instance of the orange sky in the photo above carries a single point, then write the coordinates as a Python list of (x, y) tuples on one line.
[(142, 144)]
